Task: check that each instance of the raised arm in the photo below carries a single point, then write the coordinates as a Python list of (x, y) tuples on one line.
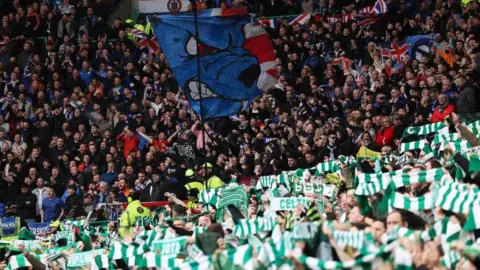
[(148, 138)]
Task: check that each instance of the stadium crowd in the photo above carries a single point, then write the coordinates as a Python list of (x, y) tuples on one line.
[(88, 117)]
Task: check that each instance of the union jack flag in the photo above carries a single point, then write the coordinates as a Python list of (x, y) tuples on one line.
[(300, 19), (269, 22), (394, 51), (139, 34), (150, 45)]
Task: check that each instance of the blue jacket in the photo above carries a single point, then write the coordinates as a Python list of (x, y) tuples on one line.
[(109, 177), (2, 210), (86, 76)]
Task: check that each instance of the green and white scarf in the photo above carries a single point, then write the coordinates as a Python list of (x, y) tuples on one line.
[(352, 239), (102, 262), (400, 201), (451, 199), (458, 146), (367, 260), (330, 166), (241, 256), (17, 261), (446, 137), (232, 196), (425, 176), (266, 182), (247, 227), (423, 130), (416, 145), (402, 259), (209, 196)]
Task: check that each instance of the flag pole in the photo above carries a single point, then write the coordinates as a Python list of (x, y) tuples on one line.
[(199, 85)]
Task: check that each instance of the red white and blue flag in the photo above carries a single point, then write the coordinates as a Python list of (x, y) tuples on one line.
[(301, 19), (269, 22), (395, 51)]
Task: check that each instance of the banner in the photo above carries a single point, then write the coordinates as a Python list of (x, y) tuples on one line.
[(9, 226), (288, 203), (186, 150), (30, 245), (329, 190), (308, 188), (83, 258), (237, 59), (40, 229), (170, 247), (163, 6)]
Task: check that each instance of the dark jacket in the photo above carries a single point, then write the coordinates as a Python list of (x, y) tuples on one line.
[(72, 203), (26, 205), (467, 100)]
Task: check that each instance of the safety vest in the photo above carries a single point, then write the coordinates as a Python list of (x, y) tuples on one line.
[(192, 204), (197, 185), (133, 211), (214, 182), (139, 27), (148, 29)]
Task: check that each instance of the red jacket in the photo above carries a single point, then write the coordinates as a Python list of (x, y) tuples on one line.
[(385, 137), (129, 144), (439, 116)]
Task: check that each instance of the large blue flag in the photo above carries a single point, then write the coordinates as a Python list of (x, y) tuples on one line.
[(418, 46), (237, 61)]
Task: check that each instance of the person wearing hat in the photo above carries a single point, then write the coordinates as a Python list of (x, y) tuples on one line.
[(133, 211), (26, 204), (192, 181), (213, 181)]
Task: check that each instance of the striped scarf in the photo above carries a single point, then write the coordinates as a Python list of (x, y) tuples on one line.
[(146, 221), (473, 219), (102, 262), (398, 232), (347, 160), (370, 184), (18, 261), (425, 176), (402, 259), (266, 182), (209, 196), (352, 239), (458, 146), (241, 256), (232, 196), (416, 145), (247, 227), (450, 198), (151, 259), (422, 203), (268, 254), (449, 137), (423, 130), (121, 250), (389, 159), (367, 260), (330, 166)]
